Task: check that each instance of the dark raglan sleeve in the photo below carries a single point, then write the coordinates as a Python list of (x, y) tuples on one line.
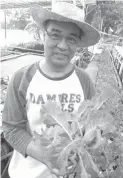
[(91, 89), (14, 120), (86, 83)]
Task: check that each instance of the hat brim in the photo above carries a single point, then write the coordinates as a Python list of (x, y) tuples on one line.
[(90, 35)]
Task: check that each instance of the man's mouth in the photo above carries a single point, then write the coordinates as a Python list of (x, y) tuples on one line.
[(60, 55)]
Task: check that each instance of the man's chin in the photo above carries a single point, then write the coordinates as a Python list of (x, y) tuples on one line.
[(59, 61)]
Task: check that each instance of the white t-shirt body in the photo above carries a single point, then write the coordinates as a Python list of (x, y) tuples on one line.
[(66, 91)]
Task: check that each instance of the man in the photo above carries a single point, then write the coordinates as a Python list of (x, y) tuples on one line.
[(53, 78)]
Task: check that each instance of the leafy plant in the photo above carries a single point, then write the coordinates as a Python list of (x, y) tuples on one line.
[(87, 142)]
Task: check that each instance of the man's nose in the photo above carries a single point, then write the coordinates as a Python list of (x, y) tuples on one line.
[(62, 44)]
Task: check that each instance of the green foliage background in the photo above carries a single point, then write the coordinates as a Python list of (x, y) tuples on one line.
[(16, 18), (111, 15)]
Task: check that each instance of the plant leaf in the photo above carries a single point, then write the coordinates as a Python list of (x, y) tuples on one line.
[(57, 131), (54, 116), (49, 121), (105, 95), (99, 119), (60, 161), (84, 173), (44, 140), (87, 107), (83, 106), (89, 163)]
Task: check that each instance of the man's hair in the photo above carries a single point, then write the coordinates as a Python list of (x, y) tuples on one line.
[(46, 23)]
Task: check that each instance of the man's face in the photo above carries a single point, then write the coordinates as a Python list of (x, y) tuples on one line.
[(61, 42)]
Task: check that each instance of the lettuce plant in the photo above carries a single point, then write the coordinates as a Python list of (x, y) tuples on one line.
[(86, 143)]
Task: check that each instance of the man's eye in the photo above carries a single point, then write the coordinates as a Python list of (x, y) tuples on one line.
[(55, 36), (72, 40)]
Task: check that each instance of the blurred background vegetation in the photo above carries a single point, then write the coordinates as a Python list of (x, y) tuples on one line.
[(106, 17)]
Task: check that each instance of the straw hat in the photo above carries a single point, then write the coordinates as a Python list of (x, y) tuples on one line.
[(66, 12)]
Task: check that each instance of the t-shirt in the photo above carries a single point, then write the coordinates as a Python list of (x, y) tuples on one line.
[(28, 90)]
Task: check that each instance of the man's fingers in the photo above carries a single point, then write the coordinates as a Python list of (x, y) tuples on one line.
[(73, 160), (57, 172)]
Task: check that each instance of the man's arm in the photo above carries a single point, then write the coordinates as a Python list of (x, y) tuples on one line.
[(36, 151), (15, 126), (14, 121)]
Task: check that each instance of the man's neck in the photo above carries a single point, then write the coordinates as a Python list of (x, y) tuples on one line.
[(54, 71)]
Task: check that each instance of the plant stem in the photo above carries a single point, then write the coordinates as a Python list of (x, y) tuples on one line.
[(79, 128), (62, 127), (73, 142), (84, 174)]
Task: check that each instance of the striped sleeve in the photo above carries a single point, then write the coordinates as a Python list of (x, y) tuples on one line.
[(14, 120), (86, 83)]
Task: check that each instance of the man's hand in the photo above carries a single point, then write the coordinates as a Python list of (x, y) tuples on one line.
[(50, 157), (47, 156), (72, 165)]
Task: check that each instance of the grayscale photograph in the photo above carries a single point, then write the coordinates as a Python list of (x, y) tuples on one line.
[(49, 129)]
